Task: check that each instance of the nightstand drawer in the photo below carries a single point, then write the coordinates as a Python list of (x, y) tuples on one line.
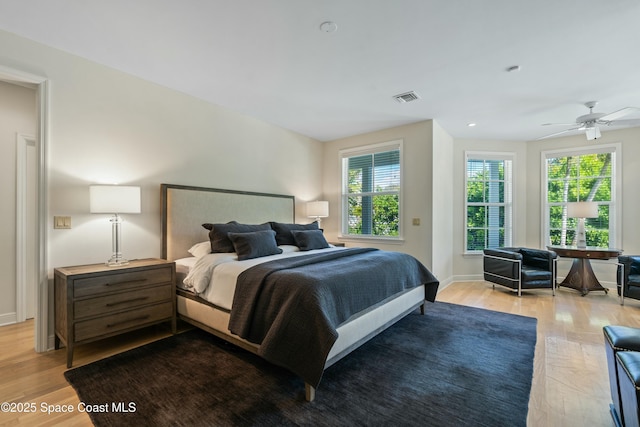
[(106, 325), (117, 302), (100, 284)]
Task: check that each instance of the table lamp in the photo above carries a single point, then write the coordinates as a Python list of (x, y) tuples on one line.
[(318, 209), (582, 210), (116, 200)]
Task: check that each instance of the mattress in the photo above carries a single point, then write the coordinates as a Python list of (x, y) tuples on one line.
[(213, 277)]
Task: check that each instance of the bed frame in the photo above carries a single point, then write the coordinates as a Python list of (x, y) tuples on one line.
[(185, 208)]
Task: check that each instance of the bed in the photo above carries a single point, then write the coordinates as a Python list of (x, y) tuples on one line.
[(300, 309)]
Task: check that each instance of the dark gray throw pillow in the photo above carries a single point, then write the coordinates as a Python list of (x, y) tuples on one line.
[(309, 239), (220, 242), (254, 244), (283, 231)]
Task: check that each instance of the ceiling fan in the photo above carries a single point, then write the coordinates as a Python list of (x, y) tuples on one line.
[(590, 123)]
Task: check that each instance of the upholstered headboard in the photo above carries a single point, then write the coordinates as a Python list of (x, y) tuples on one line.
[(186, 208)]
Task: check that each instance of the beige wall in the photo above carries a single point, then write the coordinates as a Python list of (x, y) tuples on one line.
[(469, 267), (110, 127), (17, 116), (528, 203), (630, 203), (442, 224), (416, 193)]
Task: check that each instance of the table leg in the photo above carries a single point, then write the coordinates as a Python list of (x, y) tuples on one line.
[(582, 277)]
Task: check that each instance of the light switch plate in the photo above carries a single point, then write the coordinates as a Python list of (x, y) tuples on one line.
[(62, 222)]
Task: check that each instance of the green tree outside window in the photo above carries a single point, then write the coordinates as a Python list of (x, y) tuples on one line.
[(579, 178), (488, 202)]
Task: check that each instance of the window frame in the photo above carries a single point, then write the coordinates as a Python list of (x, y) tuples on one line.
[(345, 154), (615, 204), (509, 193)]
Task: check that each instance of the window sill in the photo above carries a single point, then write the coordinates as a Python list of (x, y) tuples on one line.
[(472, 254), (386, 240)]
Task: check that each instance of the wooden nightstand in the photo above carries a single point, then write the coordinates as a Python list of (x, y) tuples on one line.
[(96, 301)]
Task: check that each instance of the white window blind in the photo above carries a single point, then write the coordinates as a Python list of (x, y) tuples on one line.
[(371, 188), (488, 201)]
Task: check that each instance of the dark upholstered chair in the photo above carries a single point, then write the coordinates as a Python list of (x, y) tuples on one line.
[(628, 277), (520, 268), (620, 339)]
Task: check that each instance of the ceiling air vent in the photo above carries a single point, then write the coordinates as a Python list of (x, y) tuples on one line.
[(407, 97)]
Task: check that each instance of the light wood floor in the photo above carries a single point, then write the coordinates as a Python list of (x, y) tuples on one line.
[(570, 381)]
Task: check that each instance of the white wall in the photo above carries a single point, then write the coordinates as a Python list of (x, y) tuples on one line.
[(17, 115), (630, 203), (469, 267), (417, 186), (110, 127), (528, 203), (442, 243)]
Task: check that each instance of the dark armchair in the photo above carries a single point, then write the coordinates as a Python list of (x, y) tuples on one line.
[(520, 268), (628, 277)]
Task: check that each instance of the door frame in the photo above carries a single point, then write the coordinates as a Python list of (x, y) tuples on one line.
[(22, 245), (41, 335)]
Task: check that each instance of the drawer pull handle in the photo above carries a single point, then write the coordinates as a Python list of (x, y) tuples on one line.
[(135, 319), (126, 282), (113, 304)]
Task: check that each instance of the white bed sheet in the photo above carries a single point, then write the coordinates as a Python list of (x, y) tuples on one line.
[(213, 277)]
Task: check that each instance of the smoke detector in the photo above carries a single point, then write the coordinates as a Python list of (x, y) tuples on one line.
[(407, 97)]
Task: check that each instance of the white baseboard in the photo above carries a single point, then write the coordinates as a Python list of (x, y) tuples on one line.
[(469, 278), (8, 319), (480, 278), (51, 343), (444, 283)]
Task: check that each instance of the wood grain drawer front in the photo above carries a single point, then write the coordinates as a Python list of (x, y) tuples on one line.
[(99, 284), (117, 322), (117, 302)]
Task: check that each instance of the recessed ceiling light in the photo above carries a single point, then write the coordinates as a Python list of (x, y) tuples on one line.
[(329, 27), (471, 124)]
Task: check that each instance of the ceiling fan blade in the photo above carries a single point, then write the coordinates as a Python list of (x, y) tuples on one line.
[(559, 133), (559, 124), (620, 113), (626, 122)]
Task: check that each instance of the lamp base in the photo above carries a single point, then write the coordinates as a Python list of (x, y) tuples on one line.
[(581, 235), (116, 259), (117, 262)]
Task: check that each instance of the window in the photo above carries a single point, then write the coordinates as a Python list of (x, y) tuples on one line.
[(586, 175), (488, 204), (371, 183)]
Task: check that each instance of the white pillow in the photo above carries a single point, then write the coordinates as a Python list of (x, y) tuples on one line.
[(200, 249)]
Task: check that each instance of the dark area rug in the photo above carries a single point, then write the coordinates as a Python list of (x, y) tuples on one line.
[(453, 366)]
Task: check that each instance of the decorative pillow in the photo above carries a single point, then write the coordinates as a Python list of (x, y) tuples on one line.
[(200, 249), (309, 239), (255, 244), (283, 231), (218, 235)]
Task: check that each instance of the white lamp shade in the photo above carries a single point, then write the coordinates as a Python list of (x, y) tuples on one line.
[(582, 210), (318, 209), (114, 199)]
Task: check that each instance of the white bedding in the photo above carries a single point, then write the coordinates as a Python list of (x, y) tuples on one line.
[(213, 276)]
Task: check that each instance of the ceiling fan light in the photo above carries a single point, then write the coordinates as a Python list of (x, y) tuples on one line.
[(592, 132)]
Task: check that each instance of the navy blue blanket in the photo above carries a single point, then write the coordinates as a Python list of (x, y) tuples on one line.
[(292, 307)]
